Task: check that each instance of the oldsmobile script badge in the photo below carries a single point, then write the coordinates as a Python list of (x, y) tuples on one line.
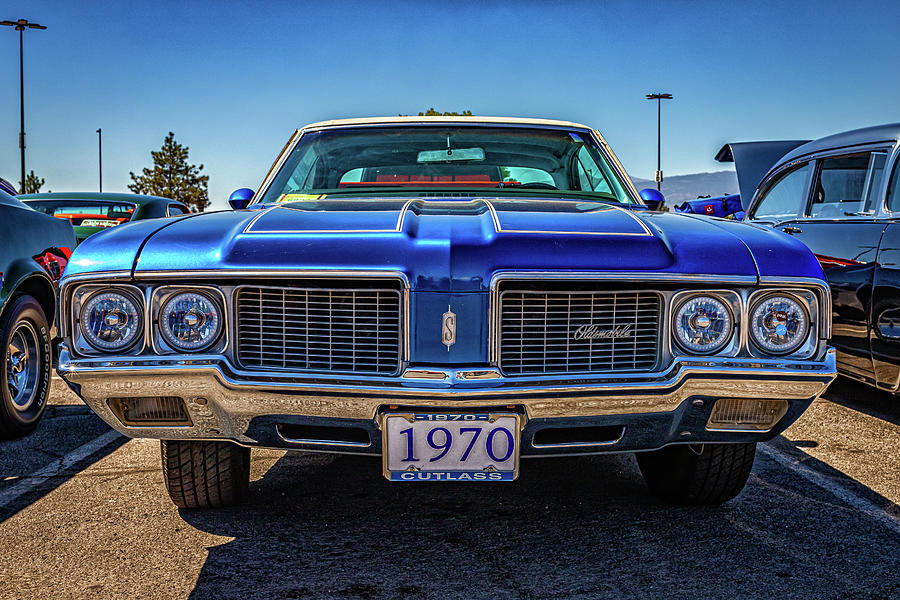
[(448, 328), (592, 332)]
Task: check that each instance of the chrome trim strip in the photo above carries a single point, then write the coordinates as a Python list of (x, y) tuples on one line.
[(272, 274), (578, 444), (121, 274), (452, 385), (425, 374), (629, 276), (280, 159), (327, 443), (617, 166), (479, 375)]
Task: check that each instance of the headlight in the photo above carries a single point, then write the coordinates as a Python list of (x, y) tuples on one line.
[(190, 321), (779, 324), (111, 321), (703, 325)]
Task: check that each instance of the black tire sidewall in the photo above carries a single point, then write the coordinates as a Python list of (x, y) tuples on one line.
[(12, 421)]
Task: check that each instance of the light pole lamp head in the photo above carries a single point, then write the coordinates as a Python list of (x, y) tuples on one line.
[(660, 96), (21, 24)]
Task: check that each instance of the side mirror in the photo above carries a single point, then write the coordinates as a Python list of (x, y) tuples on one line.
[(240, 198), (653, 198)]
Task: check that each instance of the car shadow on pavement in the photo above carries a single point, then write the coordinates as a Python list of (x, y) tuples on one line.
[(63, 429), (865, 399), (585, 527)]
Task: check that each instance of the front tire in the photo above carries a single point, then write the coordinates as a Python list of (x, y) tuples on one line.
[(698, 474), (205, 474), (25, 363)]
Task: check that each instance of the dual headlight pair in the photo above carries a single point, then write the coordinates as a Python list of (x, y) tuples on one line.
[(189, 321), (778, 324)]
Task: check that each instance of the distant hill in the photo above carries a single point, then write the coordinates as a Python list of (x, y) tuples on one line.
[(678, 188)]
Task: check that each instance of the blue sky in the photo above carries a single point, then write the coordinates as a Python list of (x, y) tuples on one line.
[(234, 79)]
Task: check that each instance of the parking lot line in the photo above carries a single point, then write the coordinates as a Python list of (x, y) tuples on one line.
[(56, 468), (830, 485)]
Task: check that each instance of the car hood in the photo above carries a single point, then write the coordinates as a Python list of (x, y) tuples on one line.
[(447, 245)]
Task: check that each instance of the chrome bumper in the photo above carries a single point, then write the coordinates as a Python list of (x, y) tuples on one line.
[(223, 402)]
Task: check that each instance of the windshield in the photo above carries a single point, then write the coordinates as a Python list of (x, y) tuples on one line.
[(438, 159), (86, 213)]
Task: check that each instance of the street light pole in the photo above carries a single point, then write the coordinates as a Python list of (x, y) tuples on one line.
[(20, 26), (100, 155), (659, 97)]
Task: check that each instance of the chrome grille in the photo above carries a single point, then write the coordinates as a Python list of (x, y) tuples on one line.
[(578, 332), (353, 330)]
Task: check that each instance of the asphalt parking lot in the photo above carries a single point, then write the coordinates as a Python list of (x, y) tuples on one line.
[(83, 513)]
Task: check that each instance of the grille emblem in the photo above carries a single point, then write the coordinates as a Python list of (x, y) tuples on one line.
[(592, 332), (448, 328)]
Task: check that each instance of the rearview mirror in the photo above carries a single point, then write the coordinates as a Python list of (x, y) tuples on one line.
[(653, 199), (240, 198), (450, 154)]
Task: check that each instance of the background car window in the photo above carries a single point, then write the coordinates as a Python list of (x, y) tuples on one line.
[(174, 209), (841, 185), (87, 213), (893, 200), (782, 200), (873, 181), (526, 175)]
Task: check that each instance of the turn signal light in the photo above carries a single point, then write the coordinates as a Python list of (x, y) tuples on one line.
[(146, 411), (746, 413)]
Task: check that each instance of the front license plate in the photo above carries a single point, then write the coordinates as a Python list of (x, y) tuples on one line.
[(451, 447)]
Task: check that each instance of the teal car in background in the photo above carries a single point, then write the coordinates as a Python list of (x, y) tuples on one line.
[(92, 212), (34, 249)]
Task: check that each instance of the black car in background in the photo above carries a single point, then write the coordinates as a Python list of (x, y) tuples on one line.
[(34, 248), (840, 195)]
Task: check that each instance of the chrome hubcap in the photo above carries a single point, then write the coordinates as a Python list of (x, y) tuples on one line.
[(22, 365)]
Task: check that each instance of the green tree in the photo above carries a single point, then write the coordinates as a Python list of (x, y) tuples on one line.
[(33, 183), (173, 177), (436, 113)]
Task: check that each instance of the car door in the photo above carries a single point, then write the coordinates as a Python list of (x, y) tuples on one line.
[(839, 225), (885, 317)]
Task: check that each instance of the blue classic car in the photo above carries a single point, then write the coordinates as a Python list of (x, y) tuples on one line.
[(451, 295)]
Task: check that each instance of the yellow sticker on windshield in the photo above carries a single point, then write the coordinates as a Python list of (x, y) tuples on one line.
[(296, 197)]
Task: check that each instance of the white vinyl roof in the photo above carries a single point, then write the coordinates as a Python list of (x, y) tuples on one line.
[(417, 119)]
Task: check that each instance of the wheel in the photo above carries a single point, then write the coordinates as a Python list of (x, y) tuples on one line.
[(25, 370), (698, 474), (205, 474)]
